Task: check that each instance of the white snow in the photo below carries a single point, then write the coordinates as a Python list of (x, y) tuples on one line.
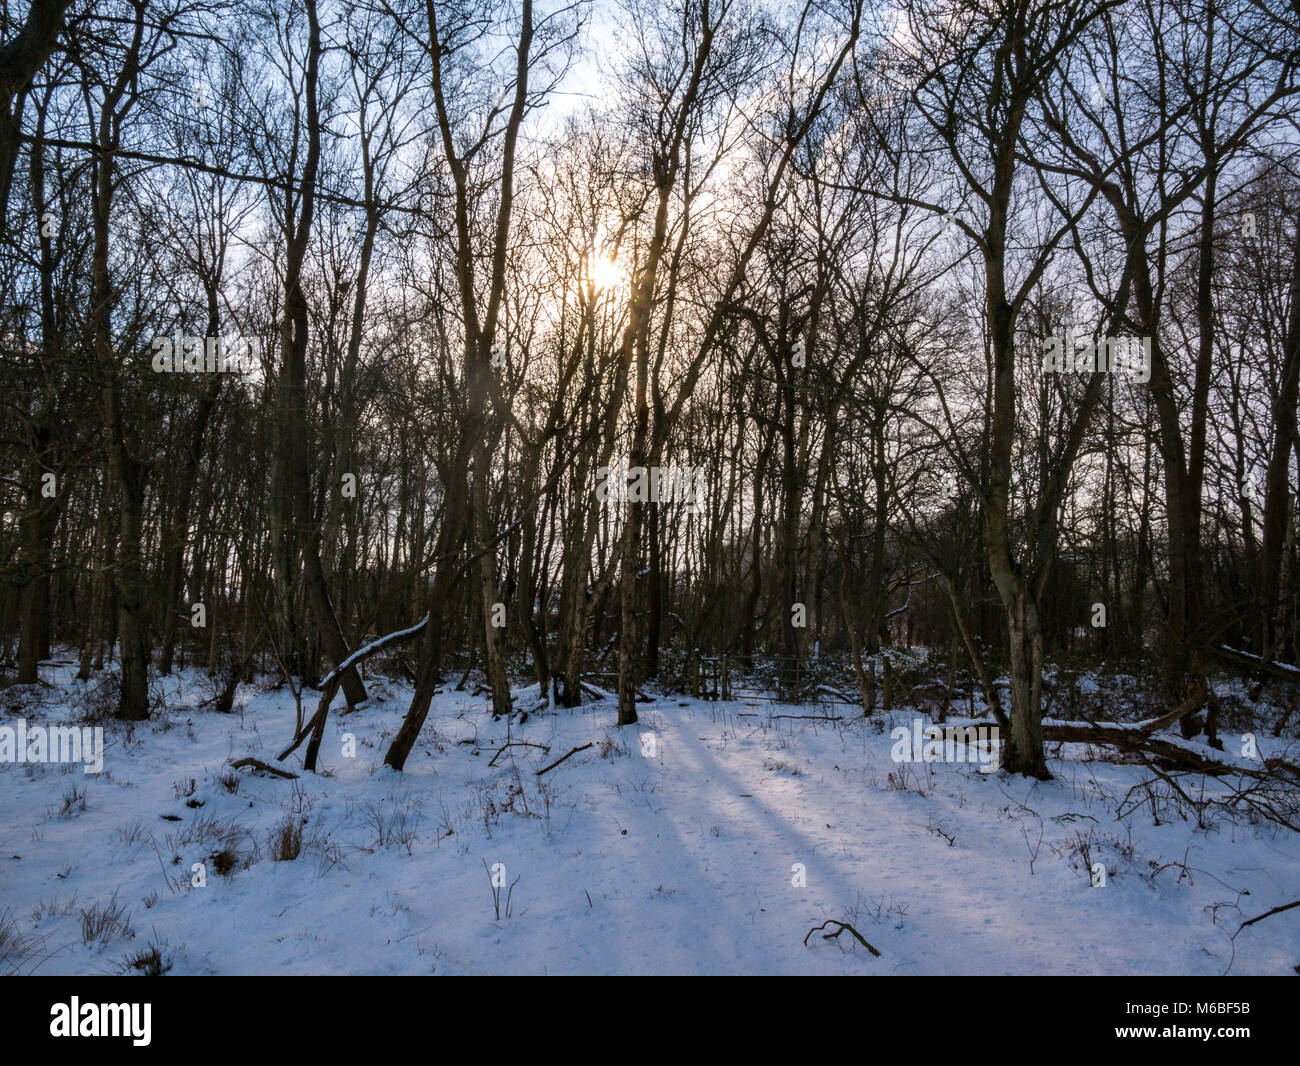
[(669, 847)]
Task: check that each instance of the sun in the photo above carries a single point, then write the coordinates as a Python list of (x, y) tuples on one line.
[(605, 272)]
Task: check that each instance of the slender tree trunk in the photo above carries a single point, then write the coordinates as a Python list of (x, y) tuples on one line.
[(37, 535), (493, 661), (178, 534), (294, 329), (129, 472), (428, 674)]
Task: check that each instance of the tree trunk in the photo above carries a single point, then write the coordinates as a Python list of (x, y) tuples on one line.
[(178, 534), (294, 329)]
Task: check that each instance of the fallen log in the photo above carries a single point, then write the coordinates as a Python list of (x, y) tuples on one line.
[(539, 704), (600, 694), (1139, 739), (1196, 693), (1244, 658)]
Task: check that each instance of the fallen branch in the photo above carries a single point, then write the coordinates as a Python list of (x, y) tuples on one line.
[(811, 717), (330, 685), (1269, 914), (257, 764), (563, 757), (517, 744), (842, 927), (370, 649)]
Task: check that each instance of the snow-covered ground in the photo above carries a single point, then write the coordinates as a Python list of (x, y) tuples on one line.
[(709, 839)]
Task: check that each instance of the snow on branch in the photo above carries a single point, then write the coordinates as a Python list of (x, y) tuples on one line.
[(371, 648)]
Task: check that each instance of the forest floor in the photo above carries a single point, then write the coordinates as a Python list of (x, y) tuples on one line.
[(710, 838)]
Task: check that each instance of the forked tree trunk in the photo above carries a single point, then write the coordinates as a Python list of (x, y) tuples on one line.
[(493, 661), (447, 572), (1023, 749)]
